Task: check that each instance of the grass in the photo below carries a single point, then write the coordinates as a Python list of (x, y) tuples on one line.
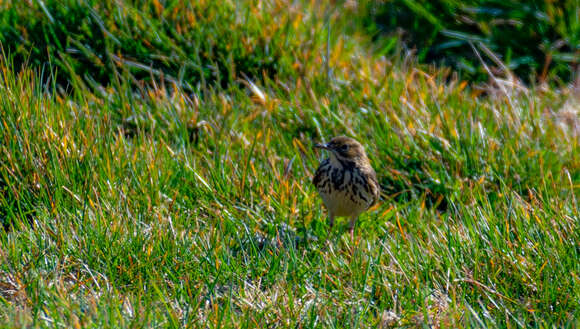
[(191, 44), (537, 39), (151, 205)]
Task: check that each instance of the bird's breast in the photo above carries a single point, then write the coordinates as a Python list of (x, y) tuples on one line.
[(344, 191)]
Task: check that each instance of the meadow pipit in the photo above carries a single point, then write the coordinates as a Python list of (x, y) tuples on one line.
[(346, 181)]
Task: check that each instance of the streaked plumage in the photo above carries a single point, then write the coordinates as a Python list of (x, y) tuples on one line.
[(346, 181)]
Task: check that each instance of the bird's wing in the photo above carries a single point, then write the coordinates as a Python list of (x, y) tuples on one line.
[(375, 187)]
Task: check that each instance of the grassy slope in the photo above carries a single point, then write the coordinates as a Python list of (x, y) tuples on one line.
[(173, 208)]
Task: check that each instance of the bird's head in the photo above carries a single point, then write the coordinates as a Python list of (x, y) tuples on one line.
[(344, 148)]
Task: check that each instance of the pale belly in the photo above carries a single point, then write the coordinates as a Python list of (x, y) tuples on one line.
[(341, 204)]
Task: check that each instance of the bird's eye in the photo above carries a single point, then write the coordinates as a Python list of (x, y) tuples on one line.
[(344, 148)]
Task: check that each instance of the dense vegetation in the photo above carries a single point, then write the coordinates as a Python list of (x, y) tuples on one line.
[(188, 43), (155, 166), (214, 41), (538, 40)]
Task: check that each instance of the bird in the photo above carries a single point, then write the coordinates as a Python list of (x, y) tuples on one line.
[(346, 181)]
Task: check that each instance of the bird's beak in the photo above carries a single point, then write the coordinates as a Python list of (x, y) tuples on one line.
[(322, 146)]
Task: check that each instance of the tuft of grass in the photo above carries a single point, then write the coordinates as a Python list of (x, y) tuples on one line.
[(169, 207)]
